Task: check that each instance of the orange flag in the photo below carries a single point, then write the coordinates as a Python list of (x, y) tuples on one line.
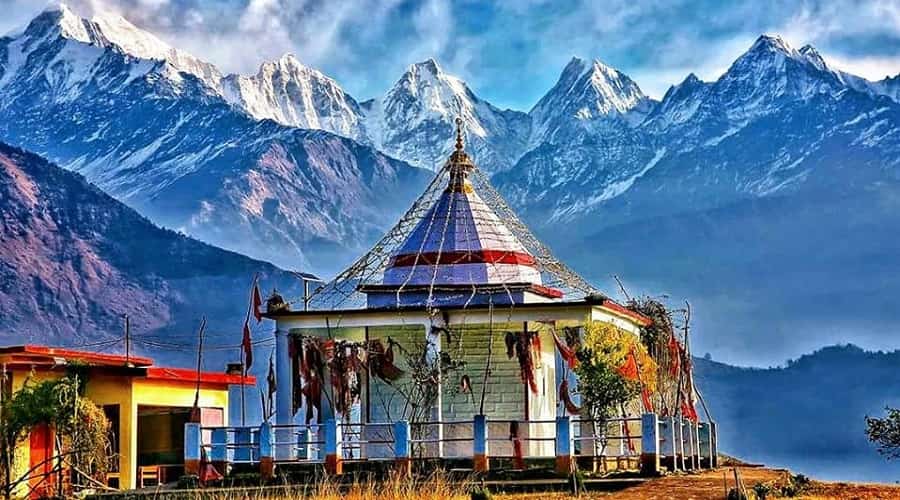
[(629, 369)]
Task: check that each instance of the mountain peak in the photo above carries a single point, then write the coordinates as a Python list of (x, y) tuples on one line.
[(103, 29), (575, 66), (771, 43), (428, 65), (692, 79), (586, 92), (287, 63), (691, 82), (58, 19), (812, 55), (110, 31)]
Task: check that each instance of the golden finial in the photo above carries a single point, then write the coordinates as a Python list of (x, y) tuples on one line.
[(459, 137)]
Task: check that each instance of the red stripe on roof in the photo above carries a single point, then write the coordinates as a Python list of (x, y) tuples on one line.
[(624, 311), (190, 376), (94, 358), (546, 291), (463, 257)]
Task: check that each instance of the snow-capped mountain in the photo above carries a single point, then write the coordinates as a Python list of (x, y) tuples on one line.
[(85, 40), (167, 142), (585, 146), (293, 94), (588, 97), (415, 119), (768, 126)]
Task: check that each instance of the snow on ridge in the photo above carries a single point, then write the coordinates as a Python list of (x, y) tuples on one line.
[(293, 94)]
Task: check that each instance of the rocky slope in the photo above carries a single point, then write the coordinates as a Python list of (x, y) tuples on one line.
[(73, 261)]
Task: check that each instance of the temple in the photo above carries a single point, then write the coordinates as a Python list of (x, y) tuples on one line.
[(453, 315)]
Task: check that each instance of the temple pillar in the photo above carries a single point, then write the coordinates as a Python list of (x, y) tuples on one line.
[(433, 354), (284, 396)]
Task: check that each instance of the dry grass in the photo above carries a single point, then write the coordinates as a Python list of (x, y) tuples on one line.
[(435, 487), (707, 485)]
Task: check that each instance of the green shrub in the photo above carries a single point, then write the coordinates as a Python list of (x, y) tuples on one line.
[(762, 490), (481, 493)]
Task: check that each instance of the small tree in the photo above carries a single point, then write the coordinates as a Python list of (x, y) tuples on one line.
[(604, 385), (81, 427), (885, 433)]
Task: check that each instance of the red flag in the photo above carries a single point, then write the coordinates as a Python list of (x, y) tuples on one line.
[(674, 355), (565, 352), (256, 301), (566, 398), (629, 369), (689, 411), (247, 346), (645, 397)]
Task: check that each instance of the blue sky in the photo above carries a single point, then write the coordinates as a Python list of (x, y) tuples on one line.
[(510, 52)]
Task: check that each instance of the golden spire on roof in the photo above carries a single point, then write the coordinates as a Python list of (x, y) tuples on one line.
[(459, 163)]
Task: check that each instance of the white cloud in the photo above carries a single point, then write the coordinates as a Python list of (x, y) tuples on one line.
[(873, 68), (515, 52)]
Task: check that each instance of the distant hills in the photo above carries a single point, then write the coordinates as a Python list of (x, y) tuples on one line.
[(808, 415), (73, 261)]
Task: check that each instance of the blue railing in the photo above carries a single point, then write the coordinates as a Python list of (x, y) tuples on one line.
[(647, 443)]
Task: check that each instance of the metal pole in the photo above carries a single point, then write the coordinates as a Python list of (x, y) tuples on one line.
[(305, 294), (243, 383), (127, 340)]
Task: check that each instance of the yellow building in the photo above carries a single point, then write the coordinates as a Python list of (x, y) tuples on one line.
[(147, 407)]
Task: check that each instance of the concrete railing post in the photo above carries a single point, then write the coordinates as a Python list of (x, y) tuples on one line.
[(402, 448), (266, 451), (679, 444), (698, 460), (688, 427), (705, 445), (480, 461), (666, 444), (192, 448), (219, 454), (695, 445), (564, 446), (649, 444), (333, 453), (714, 444)]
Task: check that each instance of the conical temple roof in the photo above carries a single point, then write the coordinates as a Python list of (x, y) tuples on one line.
[(459, 244)]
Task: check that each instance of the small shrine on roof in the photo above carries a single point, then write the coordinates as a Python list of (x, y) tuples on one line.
[(430, 324)]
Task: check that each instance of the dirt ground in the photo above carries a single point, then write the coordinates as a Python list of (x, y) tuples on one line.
[(712, 485)]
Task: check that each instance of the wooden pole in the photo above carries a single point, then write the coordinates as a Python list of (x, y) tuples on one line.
[(127, 340), (196, 409), (243, 383), (490, 353)]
